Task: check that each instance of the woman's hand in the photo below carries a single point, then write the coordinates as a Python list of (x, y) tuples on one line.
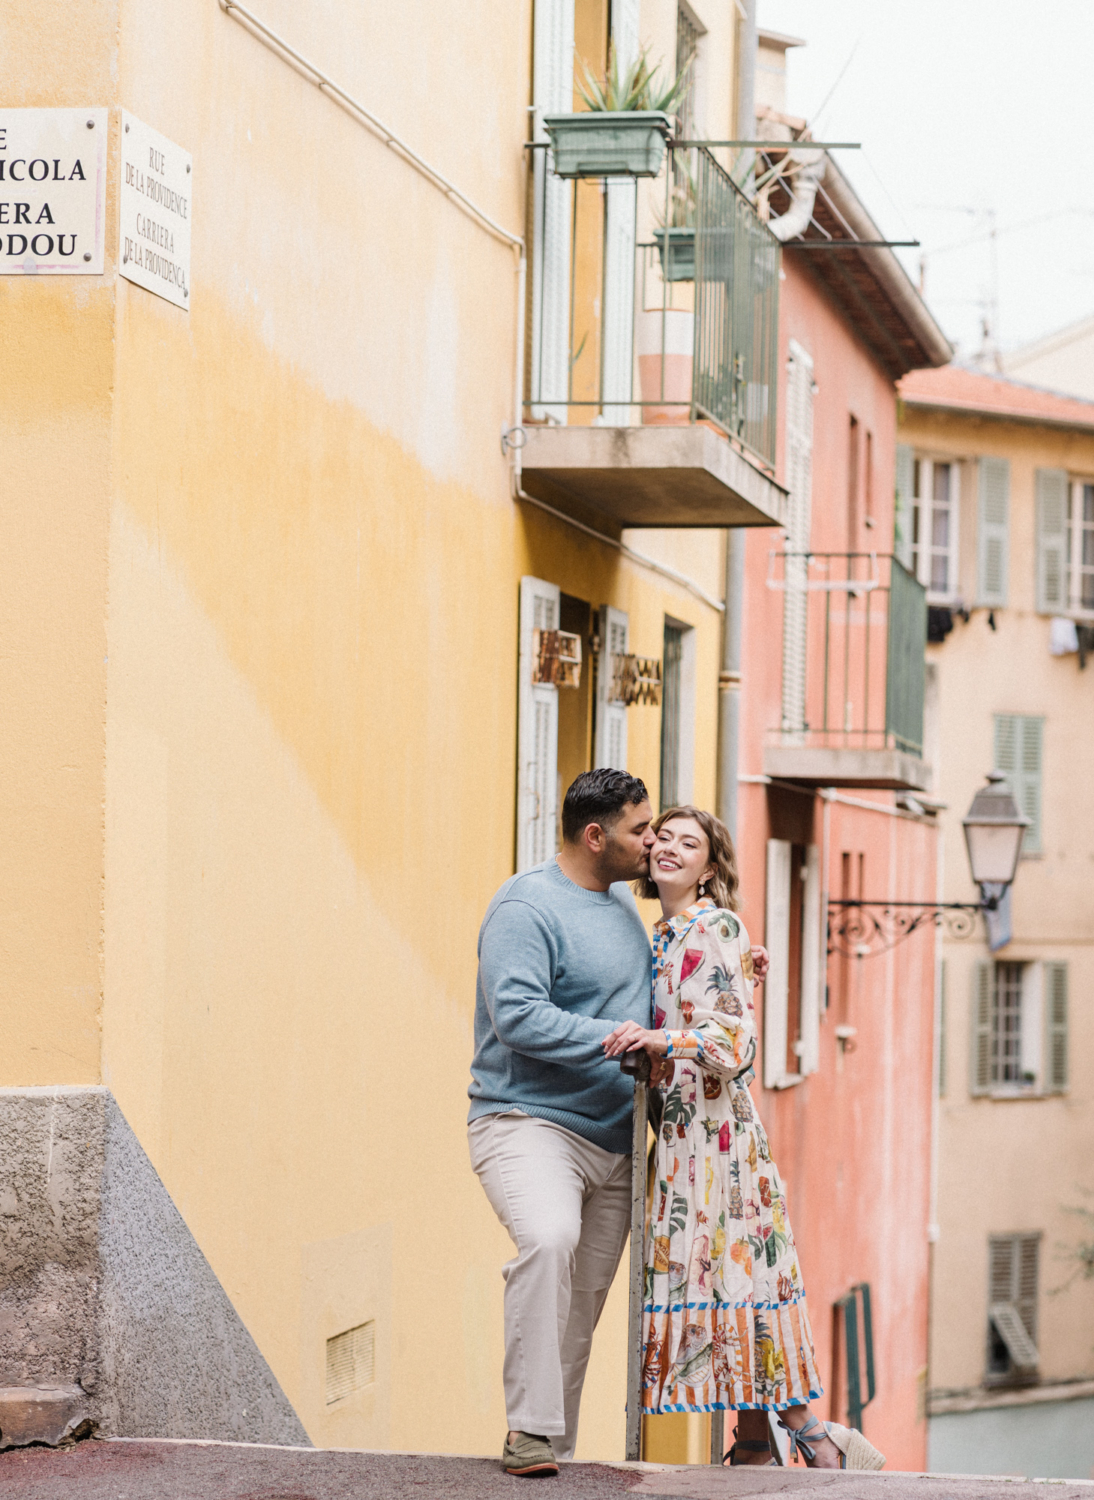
[(628, 1036), (761, 962), (662, 1071)]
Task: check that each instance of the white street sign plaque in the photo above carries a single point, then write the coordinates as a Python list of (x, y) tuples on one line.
[(154, 200), (52, 191)]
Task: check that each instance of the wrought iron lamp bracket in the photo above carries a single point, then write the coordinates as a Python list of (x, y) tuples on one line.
[(858, 929)]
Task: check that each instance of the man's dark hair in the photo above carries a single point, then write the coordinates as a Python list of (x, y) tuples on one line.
[(598, 797)]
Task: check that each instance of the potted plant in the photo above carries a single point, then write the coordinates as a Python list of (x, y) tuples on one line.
[(623, 131), (675, 240)]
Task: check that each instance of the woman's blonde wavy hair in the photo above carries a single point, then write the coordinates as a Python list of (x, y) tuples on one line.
[(722, 886)]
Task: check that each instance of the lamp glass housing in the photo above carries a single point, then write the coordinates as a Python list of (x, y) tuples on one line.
[(994, 849), (994, 830)]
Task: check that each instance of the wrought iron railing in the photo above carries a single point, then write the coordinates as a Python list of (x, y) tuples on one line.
[(652, 301), (854, 633)]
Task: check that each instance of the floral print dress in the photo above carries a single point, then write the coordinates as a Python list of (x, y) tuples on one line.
[(724, 1318)]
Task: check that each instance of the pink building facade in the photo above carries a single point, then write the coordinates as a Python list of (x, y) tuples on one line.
[(834, 806)]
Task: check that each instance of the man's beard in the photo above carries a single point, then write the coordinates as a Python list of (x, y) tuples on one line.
[(616, 865)]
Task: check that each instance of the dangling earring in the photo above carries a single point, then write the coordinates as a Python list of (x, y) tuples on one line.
[(702, 887)]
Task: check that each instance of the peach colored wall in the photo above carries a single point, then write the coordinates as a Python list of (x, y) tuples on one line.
[(1018, 1164), (853, 1140)]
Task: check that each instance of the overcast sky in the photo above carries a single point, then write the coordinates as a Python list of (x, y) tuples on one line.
[(964, 108)]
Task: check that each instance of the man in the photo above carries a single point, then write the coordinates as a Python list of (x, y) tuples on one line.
[(563, 959)]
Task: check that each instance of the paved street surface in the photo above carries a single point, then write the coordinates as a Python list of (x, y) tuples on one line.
[(145, 1470)]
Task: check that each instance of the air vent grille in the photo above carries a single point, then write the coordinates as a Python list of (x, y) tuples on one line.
[(351, 1361)]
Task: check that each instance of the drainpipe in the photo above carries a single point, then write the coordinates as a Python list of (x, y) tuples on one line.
[(729, 678)]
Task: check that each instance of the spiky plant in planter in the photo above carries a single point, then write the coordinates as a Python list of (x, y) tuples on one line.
[(623, 131)]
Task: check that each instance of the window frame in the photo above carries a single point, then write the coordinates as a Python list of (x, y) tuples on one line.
[(920, 556)]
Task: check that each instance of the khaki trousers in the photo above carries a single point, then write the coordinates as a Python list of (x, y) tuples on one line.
[(567, 1206)]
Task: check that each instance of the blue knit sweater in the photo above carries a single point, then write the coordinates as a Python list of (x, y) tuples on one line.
[(559, 968)]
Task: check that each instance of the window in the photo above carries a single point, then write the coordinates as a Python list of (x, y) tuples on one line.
[(1013, 1268), (1019, 753), (1019, 1028), (934, 526), (1007, 1063)]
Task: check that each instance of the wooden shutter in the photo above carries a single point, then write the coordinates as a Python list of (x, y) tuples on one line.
[(777, 942), (902, 523), (611, 718), (1019, 753), (980, 1049), (813, 962), (537, 732), (552, 93), (1055, 1001), (1028, 1256), (1052, 590), (992, 545), (619, 249), (799, 477)]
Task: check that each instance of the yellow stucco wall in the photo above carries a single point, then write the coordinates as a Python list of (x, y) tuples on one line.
[(1008, 1166), (259, 601)]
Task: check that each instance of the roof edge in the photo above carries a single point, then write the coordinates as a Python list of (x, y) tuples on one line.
[(994, 414), (888, 271)]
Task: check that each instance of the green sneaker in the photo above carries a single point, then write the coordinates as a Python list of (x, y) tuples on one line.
[(528, 1454)]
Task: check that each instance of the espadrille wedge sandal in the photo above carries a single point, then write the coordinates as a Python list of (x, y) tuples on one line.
[(855, 1451)]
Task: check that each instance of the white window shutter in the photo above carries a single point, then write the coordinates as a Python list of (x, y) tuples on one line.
[(980, 1049), (611, 718), (813, 961), (777, 942), (537, 732), (799, 477), (619, 250), (992, 532), (902, 532), (1054, 987), (1052, 591), (552, 93)]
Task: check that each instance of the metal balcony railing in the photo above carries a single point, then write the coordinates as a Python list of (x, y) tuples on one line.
[(854, 633), (653, 301)]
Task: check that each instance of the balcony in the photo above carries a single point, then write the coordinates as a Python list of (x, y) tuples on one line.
[(854, 632), (651, 358)]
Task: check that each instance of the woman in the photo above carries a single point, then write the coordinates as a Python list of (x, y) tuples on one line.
[(725, 1319)]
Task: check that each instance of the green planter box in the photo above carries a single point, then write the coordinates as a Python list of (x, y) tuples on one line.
[(676, 247), (613, 143)]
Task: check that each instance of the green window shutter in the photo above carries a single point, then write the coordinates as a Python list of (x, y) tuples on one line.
[(1055, 991), (980, 1051), (1051, 541), (1018, 753), (902, 524), (1029, 781), (991, 542)]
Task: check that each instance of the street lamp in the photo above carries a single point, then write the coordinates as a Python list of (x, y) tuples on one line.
[(994, 830)]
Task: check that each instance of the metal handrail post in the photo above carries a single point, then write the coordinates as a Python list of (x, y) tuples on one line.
[(637, 1065)]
